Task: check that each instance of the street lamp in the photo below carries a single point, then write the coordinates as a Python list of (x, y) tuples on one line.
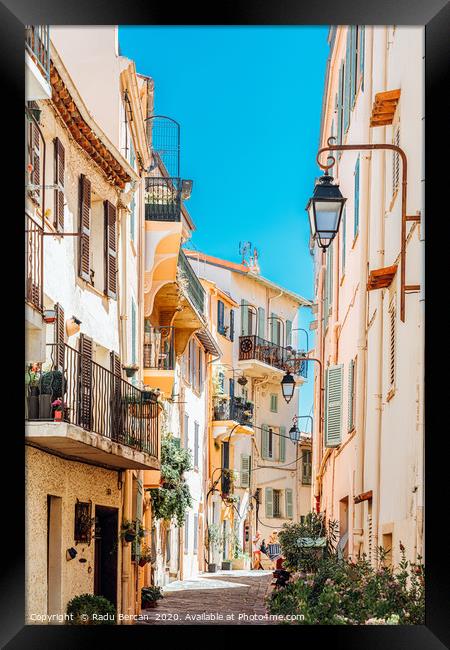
[(294, 433), (325, 210), (288, 386)]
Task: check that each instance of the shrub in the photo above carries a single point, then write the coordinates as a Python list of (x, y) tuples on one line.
[(88, 609), (151, 594), (307, 558)]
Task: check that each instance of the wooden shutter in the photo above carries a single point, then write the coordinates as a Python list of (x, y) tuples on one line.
[(36, 158), (261, 322), (58, 216), (244, 318), (333, 424), (85, 379), (264, 441), (282, 447), (84, 265), (340, 106), (274, 403), (306, 468), (220, 316), (288, 332), (356, 222), (289, 509), (269, 503), (110, 250), (231, 324), (351, 389), (347, 81), (245, 470), (59, 336)]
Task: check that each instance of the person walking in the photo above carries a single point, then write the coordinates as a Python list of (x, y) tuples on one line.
[(256, 548), (274, 548)]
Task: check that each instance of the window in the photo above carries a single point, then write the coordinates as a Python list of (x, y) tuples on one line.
[(225, 464), (356, 222), (282, 445), (231, 325), (275, 329), (195, 365), (395, 162), (288, 333), (351, 394), (245, 470), (248, 324), (289, 504), (277, 503), (186, 533), (274, 403), (392, 343), (266, 441), (196, 449), (195, 534), (59, 168), (270, 443), (333, 409), (306, 467), (261, 322)]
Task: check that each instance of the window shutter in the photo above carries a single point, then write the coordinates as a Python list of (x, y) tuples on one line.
[(133, 331), (333, 425), (289, 504), (85, 378), (288, 332), (340, 105), (59, 336), (274, 403), (273, 328), (231, 324), (269, 503), (196, 444), (261, 322), (186, 533), (356, 227), (231, 387), (36, 158), (220, 316), (264, 441), (110, 250), (58, 217), (306, 468), (282, 449), (362, 38), (84, 266), (245, 471), (351, 376), (244, 318), (347, 82)]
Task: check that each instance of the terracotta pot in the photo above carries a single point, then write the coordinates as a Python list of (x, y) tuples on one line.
[(72, 327), (142, 562), (59, 416)]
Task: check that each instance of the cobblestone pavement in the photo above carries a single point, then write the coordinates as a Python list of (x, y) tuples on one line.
[(225, 598)]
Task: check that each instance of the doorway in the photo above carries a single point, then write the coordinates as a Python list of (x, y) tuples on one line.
[(54, 554), (106, 544)]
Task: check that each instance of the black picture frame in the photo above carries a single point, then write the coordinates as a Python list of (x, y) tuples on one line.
[(435, 16)]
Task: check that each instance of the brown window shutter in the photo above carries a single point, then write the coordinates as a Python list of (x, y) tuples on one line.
[(36, 157), (85, 381), (58, 217), (59, 336), (110, 250), (116, 366), (84, 266), (117, 414)]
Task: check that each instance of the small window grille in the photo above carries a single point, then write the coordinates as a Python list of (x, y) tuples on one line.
[(277, 503)]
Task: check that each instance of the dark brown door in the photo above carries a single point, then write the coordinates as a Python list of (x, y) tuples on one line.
[(106, 544)]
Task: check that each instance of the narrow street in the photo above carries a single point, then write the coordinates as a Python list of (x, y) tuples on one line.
[(223, 598)]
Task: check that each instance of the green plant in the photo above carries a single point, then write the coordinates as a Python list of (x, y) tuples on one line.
[(151, 594), (52, 384), (306, 543), (146, 553), (172, 499), (88, 609), (214, 538)]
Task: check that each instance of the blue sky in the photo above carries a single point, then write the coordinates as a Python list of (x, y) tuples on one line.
[(249, 103)]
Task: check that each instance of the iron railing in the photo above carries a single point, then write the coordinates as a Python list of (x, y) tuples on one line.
[(33, 262), (37, 44), (95, 399), (193, 286), (255, 348), (233, 408), (159, 348), (162, 199)]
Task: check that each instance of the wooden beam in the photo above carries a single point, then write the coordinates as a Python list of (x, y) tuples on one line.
[(364, 496)]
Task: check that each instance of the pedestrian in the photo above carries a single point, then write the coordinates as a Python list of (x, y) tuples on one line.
[(256, 547), (274, 548)]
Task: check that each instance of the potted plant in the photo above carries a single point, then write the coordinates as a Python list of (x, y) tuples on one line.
[(214, 543), (88, 609), (146, 555), (131, 369), (59, 410), (150, 596), (52, 386), (32, 381), (128, 530)]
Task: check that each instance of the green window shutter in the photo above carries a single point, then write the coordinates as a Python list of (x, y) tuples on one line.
[(273, 331), (245, 470), (289, 504), (244, 318), (288, 332), (340, 105), (220, 316), (351, 375), (362, 38), (356, 222), (333, 425), (344, 238), (282, 449), (264, 441), (347, 82), (261, 322), (231, 333), (274, 403), (269, 503)]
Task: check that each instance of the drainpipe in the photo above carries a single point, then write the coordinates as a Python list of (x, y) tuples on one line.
[(126, 548)]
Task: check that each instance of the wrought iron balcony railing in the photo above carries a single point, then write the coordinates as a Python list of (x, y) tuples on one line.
[(193, 286), (253, 347), (233, 408), (162, 199), (159, 349), (95, 399), (33, 262), (37, 44)]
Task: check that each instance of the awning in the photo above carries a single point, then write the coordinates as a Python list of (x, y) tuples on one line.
[(208, 342)]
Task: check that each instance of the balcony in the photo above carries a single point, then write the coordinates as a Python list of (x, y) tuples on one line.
[(104, 419), (162, 199), (33, 263), (37, 71), (190, 283), (253, 348), (233, 408)]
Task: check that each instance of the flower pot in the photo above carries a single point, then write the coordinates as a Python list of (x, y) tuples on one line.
[(129, 537), (34, 391), (45, 406), (142, 562), (33, 407), (226, 566), (212, 568), (58, 416), (130, 372)]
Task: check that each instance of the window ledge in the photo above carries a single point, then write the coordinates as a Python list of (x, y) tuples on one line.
[(89, 287)]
